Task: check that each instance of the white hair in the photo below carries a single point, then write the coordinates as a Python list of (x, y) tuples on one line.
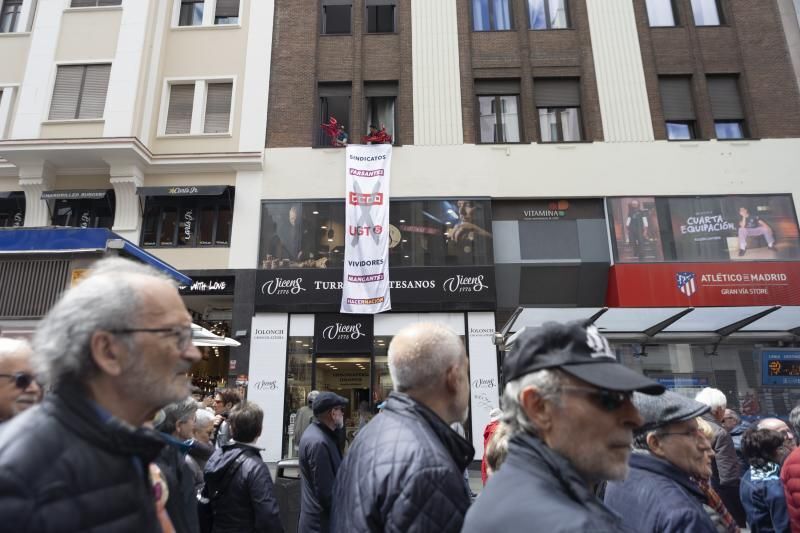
[(12, 347), (714, 398), (420, 355), (203, 418), (546, 382), (107, 299)]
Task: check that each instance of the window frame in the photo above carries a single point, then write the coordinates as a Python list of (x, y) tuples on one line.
[(116, 5), (197, 127), (320, 139), (180, 204), (692, 125), (234, 24), (84, 64), (559, 128), (742, 126), (741, 121), (675, 16), (498, 114), (548, 26), (209, 20), (16, 16), (368, 5), (492, 21), (720, 15), (394, 117), (323, 19)]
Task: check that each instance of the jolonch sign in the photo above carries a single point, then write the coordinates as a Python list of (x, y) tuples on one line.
[(366, 253)]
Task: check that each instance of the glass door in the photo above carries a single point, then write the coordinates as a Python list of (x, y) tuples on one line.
[(348, 377)]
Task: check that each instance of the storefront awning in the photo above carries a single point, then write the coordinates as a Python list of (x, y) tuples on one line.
[(78, 240), (665, 322), (76, 194), (183, 190)]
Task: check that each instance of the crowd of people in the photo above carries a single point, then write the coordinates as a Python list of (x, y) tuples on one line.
[(99, 432)]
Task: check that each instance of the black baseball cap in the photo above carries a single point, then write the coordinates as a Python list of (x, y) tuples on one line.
[(327, 400), (578, 349)]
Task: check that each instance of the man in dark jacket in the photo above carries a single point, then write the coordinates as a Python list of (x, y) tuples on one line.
[(568, 406), (660, 494), (115, 349), (246, 503), (319, 461), (404, 470)]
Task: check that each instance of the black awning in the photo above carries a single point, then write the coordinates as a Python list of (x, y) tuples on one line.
[(75, 194), (183, 190)]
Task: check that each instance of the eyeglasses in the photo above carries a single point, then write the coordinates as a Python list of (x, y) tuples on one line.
[(182, 333), (22, 380), (609, 400)]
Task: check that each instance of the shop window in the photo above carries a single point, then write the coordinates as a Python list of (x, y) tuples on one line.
[(187, 222), (298, 385), (96, 213), (12, 209), (677, 103), (548, 14), (380, 16), (80, 92), (191, 13), (334, 102), (227, 12), (491, 15), (558, 104), (661, 13), (10, 12), (707, 13), (336, 17), (726, 107)]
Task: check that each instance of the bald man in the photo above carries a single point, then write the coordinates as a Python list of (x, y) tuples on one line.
[(18, 388)]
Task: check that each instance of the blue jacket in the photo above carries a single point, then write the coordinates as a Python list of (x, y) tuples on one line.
[(319, 461), (764, 503), (656, 497)]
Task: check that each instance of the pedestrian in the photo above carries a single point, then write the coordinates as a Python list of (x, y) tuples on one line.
[(224, 401), (113, 350), (726, 469), (18, 387), (494, 420), (761, 489), (735, 427), (497, 449), (240, 479), (715, 509), (404, 472), (319, 461), (303, 418), (660, 495), (200, 447), (568, 404)]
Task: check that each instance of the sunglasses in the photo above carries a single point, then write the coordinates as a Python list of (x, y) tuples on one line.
[(22, 380), (609, 400)]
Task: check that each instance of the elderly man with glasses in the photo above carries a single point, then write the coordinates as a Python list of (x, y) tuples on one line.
[(18, 388), (114, 350), (568, 406)]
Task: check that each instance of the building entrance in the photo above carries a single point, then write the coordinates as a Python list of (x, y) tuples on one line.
[(348, 377)]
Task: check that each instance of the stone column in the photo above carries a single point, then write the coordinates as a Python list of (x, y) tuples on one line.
[(128, 210), (34, 180)]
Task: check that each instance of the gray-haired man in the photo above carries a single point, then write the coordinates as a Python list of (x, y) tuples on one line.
[(18, 387), (115, 349)]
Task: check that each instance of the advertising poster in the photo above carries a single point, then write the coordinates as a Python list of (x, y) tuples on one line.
[(637, 235), (366, 243), (764, 228), (700, 229), (484, 382)]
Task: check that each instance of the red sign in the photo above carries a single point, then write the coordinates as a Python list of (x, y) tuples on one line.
[(704, 284)]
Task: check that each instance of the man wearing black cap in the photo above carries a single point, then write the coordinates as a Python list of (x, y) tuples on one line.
[(671, 463), (568, 405), (319, 460)]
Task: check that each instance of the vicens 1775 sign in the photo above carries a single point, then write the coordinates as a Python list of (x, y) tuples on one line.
[(339, 333)]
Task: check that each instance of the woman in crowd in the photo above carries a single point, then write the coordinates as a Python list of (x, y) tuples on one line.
[(761, 490)]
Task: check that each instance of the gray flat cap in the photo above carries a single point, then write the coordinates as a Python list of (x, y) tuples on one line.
[(659, 411)]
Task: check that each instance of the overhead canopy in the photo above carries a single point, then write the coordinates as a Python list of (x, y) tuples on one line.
[(203, 337), (75, 194), (183, 190), (79, 240)]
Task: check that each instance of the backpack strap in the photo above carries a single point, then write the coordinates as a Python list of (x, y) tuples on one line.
[(228, 477)]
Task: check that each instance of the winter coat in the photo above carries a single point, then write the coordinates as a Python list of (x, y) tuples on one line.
[(537, 489), (301, 422), (403, 473), (67, 466), (764, 503), (657, 497), (725, 466), (790, 477), (196, 460), (248, 505), (319, 460), (736, 436), (182, 502)]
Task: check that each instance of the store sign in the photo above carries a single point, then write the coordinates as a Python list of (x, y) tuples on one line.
[(209, 285), (74, 195), (484, 382), (780, 367), (552, 209), (704, 284), (366, 241), (412, 289), (340, 333)]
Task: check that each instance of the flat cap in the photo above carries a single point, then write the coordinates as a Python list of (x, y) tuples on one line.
[(326, 401), (670, 407)]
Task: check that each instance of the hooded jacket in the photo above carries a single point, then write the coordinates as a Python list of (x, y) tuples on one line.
[(65, 467), (319, 460), (763, 500), (403, 473), (657, 497), (536, 488), (248, 505)]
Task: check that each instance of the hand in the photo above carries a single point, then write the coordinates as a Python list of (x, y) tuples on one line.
[(461, 232), (218, 419)]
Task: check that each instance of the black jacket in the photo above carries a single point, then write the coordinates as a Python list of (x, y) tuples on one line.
[(182, 502), (404, 473), (248, 505), (537, 489), (319, 460), (64, 469)]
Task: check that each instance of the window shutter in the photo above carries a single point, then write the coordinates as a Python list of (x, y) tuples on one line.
[(110, 2), (557, 92), (218, 107), (95, 88), (179, 114), (490, 87), (334, 89), (676, 98), (380, 88), (724, 94), (64, 104), (83, 3), (227, 8)]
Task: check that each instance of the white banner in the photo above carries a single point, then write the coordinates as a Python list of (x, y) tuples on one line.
[(482, 374), (366, 251), (268, 338)]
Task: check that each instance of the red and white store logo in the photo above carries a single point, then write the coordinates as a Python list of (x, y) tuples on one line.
[(356, 198), (366, 173)]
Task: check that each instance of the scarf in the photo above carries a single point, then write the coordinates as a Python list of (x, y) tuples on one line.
[(715, 502)]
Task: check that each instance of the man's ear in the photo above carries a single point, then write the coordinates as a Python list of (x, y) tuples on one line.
[(452, 378), (654, 443), (539, 411), (106, 353)]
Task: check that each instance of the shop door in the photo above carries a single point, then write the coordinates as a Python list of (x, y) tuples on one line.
[(348, 377)]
